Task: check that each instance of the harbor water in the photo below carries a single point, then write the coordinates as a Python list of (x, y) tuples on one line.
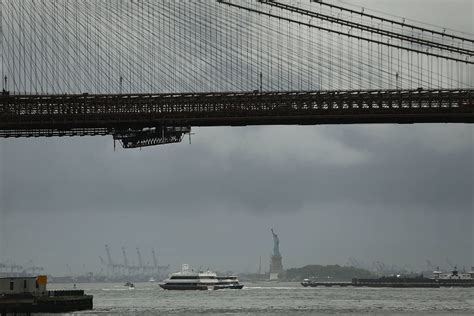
[(269, 298)]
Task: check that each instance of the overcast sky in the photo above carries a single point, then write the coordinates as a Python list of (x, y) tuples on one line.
[(397, 194)]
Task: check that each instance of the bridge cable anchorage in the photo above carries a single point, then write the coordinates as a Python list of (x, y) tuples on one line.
[(388, 44)]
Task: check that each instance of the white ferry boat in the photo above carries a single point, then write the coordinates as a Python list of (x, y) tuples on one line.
[(188, 279)]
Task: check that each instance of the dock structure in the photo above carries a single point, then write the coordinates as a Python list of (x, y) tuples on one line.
[(29, 295)]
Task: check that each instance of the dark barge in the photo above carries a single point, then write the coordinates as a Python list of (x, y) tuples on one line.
[(439, 279), (394, 283)]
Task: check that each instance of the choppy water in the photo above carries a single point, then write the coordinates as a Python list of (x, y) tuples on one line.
[(275, 299)]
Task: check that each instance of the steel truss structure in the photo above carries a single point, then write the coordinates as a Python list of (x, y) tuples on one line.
[(139, 120)]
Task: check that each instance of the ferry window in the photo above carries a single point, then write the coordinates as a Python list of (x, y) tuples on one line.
[(11, 286), (178, 277), (37, 285), (24, 284)]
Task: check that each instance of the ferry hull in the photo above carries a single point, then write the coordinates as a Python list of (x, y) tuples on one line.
[(229, 287), (186, 287)]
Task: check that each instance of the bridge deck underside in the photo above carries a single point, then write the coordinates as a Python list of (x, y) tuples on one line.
[(80, 115)]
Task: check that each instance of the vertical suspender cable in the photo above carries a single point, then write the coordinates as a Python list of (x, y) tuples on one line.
[(2, 48)]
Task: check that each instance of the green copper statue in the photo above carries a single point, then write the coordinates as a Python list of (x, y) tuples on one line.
[(276, 244)]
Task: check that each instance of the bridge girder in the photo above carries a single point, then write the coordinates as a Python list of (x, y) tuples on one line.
[(148, 119)]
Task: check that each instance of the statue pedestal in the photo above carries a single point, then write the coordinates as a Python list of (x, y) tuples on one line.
[(273, 276), (276, 267)]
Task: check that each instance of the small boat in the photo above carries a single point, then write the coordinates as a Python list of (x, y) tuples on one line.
[(152, 279), (306, 283)]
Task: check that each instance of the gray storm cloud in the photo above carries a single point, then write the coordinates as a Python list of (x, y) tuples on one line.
[(394, 193), (400, 186)]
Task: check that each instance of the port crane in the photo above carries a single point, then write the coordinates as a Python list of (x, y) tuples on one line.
[(102, 261), (142, 270), (156, 269), (140, 262), (155, 262), (111, 265), (126, 266)]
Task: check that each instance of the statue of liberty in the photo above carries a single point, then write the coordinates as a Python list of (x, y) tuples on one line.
[(276, 244), (276, 266)]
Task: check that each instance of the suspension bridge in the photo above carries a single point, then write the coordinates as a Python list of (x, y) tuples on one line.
[(147, 71)]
